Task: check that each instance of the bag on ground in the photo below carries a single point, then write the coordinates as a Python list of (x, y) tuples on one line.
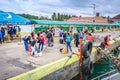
[(40, 54), (61, 41)]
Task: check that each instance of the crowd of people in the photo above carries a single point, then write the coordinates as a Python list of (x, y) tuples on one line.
[(11, 32), (84, 35), (36, 44)]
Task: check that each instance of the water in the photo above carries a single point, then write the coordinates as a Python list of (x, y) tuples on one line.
[(99, 69), (103, 67)]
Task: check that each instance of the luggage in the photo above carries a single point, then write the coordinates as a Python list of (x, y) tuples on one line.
[(40, 54), (51, 44), (29, 48), (63, 50), (61, 41)]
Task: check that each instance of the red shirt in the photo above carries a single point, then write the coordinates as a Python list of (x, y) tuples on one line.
[(42, 39), (89, 38)]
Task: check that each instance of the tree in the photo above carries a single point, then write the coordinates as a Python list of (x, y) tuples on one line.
[(60, 17), (28, 16), (54, 16)]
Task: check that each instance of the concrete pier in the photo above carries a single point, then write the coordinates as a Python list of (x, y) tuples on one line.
[(57, 70), (14, 60)]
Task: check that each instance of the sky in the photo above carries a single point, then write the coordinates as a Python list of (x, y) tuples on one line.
[(72, 7)]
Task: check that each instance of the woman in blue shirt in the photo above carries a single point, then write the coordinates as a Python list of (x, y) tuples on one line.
[(68, 42)]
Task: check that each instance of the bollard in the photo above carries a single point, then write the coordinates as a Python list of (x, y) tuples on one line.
[(8, 38), (20, 40)]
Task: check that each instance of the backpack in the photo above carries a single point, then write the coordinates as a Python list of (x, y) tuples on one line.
[(49, 35), (68, 39)]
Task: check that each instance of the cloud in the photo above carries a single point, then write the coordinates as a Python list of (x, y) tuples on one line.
[(72, 7)]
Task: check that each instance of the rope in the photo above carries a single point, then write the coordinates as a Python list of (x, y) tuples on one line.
[(116, 51), (58, 73), (110, 60)]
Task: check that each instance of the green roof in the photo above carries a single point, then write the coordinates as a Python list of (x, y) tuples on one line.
[(51, 22)]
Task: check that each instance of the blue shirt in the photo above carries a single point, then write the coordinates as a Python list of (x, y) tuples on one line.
[(68, 39), (0, 34), (77, 36), (3, 32)]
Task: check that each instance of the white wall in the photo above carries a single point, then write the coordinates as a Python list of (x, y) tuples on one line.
[(26, 28)]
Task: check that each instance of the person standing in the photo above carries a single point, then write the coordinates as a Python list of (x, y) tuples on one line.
[(77, 39), (71, 34), (38, 34), (119, 52), (68, 42), (50, 38), (64, 36), (14, 31), (3, 34), (19, 30), (89, 37), (81, 36), (25, 43), (11, 33), (0, 36), (41, 42), (61, 37)]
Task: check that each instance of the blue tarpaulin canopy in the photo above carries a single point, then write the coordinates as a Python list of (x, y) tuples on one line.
[(10, 17), (3, 16), (117, 22)]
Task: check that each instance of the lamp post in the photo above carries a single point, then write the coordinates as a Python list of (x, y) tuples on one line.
[(94, 6)]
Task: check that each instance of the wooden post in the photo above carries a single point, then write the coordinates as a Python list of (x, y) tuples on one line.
[(80, 58)]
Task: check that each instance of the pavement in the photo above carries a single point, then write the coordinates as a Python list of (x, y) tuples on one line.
[(14, 60)]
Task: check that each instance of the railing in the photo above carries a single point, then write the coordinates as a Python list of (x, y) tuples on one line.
[(108, 74)]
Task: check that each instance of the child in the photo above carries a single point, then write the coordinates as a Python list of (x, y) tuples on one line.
[(33, 46)]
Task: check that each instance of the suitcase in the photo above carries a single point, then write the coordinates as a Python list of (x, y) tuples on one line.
[(61, 41), (29, 48), (51, 44)]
